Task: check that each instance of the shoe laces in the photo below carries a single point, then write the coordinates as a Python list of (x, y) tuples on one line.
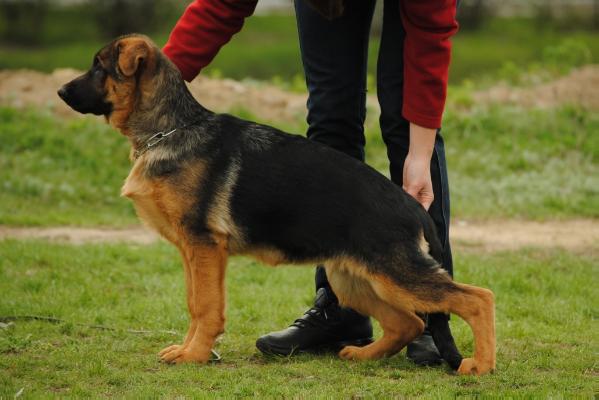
[(315, 316)]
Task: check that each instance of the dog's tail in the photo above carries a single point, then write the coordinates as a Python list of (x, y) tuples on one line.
[(438, 323)]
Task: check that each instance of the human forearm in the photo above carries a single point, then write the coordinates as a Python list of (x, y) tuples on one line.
[(422, 141), (417, 174), (202, 30)]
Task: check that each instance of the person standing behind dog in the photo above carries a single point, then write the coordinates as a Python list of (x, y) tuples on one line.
[(412, 73)]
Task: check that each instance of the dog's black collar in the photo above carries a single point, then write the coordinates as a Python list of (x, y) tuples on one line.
[(157, 138)]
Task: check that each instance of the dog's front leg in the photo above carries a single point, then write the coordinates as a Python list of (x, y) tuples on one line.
[(205, 266)]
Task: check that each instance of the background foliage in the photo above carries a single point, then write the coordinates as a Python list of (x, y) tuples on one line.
[(44, 35)]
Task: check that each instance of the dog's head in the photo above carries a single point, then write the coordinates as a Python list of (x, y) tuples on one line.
[(116, 81)]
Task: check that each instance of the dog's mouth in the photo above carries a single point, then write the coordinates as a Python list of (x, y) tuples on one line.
[(84, 104)]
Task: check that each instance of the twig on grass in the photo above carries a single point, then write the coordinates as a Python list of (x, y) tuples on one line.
[(8, 318), (53, 320)]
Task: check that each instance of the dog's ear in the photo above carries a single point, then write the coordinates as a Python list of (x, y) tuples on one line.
[(132, 54)]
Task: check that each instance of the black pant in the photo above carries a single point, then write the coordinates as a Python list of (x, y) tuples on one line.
[(334, 54)]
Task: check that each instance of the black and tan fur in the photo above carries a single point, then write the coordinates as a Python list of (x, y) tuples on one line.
[(221, 186)]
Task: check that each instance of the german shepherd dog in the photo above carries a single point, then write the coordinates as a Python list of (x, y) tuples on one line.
[(215, 185)]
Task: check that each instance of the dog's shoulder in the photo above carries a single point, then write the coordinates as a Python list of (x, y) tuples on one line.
[(236, 133)]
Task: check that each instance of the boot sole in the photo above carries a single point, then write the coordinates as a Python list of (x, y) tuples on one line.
[(268, 349)]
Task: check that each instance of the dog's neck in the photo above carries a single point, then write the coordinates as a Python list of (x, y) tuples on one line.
[(171, 107)]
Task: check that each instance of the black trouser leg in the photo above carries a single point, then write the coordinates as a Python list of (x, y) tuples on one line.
[(396, 129), (335, 54), (396, 134)]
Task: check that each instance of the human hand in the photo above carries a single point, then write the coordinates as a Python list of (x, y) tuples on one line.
[(417, 179), (417, 168)]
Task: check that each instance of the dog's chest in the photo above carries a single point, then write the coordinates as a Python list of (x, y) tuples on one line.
[(164, 203), (155, 203)]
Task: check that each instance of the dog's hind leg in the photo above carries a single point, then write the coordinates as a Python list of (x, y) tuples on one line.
[(436, 292), (477, 307), (205, 265), (399, 327)]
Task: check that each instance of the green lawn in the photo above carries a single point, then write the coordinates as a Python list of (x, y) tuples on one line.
[(546, 326), (503, 162), (61, 172)]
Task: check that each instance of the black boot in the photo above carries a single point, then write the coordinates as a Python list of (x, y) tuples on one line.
[(325, 326), (422, 351)]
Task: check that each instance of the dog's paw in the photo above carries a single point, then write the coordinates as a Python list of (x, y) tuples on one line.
[(470, 366), (169, 349), (351, 353), (171, 353), (183, 354)]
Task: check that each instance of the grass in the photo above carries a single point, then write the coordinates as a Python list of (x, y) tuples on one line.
[(513, 162), (501, 161), (268, 47), (515, 42), (546, 315), (54, 171)]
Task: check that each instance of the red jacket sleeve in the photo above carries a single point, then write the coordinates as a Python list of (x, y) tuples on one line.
[(427, 51), (203, 29)]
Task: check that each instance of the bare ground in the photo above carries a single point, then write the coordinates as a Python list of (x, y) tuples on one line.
[(579, 87), (581, 236), (25, 88)]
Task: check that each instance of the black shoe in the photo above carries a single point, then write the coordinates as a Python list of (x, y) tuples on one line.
[(325, 326), (422, 351)]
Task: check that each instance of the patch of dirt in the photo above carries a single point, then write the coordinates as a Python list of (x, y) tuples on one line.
[(266, 102), (577, 235), (26, 88), (580, 235), (580, 87), (76, 235)]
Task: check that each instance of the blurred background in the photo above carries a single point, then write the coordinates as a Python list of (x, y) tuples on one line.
[(496, 37)]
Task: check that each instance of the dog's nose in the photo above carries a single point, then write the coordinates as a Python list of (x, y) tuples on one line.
[(62, 93)]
